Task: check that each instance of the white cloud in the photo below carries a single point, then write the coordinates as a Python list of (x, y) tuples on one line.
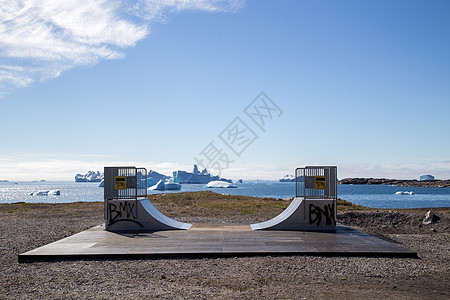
[(39, 39)]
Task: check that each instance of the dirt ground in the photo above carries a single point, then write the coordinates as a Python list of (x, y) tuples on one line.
[(25, 227)]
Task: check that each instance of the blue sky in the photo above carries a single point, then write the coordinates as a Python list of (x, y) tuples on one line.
[(363, 85)]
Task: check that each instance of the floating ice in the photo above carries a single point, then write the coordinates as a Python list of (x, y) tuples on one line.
[(90, 176), (404, 193), (220, 184), (46, 193), (41, 193), (160, 186), (170, 185)]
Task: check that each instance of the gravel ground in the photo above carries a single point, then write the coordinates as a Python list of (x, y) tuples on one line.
[(265, 277)]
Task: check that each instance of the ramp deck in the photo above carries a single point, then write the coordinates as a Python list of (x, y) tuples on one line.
[(214, 241)]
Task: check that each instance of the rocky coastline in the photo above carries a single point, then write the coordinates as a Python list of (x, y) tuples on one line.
[(397, 182)]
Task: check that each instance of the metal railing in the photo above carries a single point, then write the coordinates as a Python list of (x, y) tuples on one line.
[(316, 182), (124, 183)]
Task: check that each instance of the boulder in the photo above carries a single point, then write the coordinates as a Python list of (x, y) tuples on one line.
[(430, 218)]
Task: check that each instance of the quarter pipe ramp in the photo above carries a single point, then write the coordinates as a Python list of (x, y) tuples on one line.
[(138, 215), (303, 215)]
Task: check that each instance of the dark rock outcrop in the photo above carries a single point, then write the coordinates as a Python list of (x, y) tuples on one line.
[(397, 182)]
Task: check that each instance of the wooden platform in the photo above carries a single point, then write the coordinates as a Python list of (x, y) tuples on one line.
[(214, 241)]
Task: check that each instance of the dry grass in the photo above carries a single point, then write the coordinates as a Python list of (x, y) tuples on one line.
[(344, 205), (192, 204), (210, 204), (203, 203)]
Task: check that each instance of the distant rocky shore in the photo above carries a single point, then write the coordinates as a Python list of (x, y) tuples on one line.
[(397, 182)]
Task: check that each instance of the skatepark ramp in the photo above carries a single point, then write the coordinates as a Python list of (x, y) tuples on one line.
[(315, 203), (127, 207)]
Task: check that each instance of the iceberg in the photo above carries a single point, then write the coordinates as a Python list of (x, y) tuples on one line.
[(150, 181), (290, 178), (41, 193), (170, 185), (426, 177), (287, 178), (196, 177), (46, 193), (156, 176), (163, 186), (160, 186), (90, 176), (220, 184), (404, 193)]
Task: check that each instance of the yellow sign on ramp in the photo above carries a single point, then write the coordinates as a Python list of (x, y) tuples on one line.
[(320, 182), (120, 183)]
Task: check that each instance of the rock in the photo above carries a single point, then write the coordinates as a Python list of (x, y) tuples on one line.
[(430, 218), (397, 182)]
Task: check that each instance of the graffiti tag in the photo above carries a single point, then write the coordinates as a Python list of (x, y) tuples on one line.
[(122, 211), (316, 213)]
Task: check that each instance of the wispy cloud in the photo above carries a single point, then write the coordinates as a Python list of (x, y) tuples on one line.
[(161, 10), (39, 39)]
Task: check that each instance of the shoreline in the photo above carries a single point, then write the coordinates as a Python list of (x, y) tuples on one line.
[(397, 182)]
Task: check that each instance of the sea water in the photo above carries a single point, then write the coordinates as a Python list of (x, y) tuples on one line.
[(378, 196)]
